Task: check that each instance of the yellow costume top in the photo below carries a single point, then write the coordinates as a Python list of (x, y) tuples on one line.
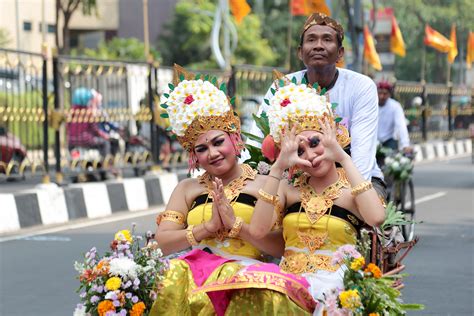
[(244, 204)]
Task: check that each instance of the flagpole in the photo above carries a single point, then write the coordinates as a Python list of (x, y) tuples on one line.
[(448, 75), (423, 63), (289, 37)]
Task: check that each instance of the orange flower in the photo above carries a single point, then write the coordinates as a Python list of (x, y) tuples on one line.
[(137, 309), (372, 268), (374, 314), (104, 307)]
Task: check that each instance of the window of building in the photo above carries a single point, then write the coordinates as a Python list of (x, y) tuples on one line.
[(27, 26), (50, 28)]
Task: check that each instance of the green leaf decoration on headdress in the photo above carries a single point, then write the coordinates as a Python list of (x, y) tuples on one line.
[(164, 105), (170, 85), (323, 91), (294, 80), (304, 81), (181, 77), (333, 105), (166, 95), (281, 83), (223, 88), (266, 101), (206, 78), (338, 119), (169, 129), (164, 115), (198, 76), (232, 101), (264, 115), (316, 85), (173, 137), (214, 81), (273, 91)]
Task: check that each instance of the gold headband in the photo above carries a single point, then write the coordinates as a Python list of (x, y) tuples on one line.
[(323, 19)]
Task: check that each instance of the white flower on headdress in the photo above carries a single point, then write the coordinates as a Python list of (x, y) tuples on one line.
[(292, 101), (193, 98)]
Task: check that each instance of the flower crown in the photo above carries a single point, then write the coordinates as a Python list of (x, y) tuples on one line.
[(195, 106), (302, 106)]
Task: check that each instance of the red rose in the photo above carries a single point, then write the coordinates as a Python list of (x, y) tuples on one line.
[(189, 99), (285, 102)]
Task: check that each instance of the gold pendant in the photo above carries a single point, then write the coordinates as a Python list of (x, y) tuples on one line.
[(316, 207), (313, 241)]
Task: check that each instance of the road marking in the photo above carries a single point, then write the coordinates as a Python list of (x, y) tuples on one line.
[(94, 222), (47, 238), (427, 198)]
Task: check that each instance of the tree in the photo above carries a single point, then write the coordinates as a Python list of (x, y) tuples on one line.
[(66, 8), (440, 14), (186, 39), (4, 38), (119, 49)]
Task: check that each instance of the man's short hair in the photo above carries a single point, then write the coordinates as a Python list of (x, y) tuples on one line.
[(323, 19)]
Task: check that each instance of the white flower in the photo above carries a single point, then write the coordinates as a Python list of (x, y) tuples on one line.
[(124, 267), (263, 167), (79, 267), (80, 310)]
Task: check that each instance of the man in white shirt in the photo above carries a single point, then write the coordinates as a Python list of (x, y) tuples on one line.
[(356, 95), (391, 120)]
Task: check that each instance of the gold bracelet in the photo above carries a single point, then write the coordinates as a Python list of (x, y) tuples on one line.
[(267, 197), (274, 177), (361, 188), (171, 216), (236, 228), (190, 236)]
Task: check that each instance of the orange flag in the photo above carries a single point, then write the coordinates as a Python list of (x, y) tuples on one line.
[(397, 45), (318, 6), (240, 9), (437, 40), (369, 50), (470, 50), (299, 7), (453, 52)]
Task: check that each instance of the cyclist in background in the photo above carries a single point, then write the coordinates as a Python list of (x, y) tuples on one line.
[(392, 120)]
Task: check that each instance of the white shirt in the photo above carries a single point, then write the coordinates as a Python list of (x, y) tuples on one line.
[(392, 120), (357, 99)]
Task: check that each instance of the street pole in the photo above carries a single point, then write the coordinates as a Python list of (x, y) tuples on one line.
[(146, 39), (17, 22)]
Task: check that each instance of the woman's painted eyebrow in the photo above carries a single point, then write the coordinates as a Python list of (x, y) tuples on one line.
[(212, 140)]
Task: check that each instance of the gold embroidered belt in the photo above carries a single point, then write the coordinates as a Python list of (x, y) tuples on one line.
[(300, 262)]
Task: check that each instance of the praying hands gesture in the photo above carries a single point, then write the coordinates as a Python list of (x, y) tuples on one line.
[(224, 209)]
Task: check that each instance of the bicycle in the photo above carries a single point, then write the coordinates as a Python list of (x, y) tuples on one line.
[(397, 169)]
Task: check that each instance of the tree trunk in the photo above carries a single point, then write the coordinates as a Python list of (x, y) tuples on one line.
[(66, 34), (56, 31)]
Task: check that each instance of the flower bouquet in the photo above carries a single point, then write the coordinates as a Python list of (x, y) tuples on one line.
[(122, 282), (366, 291), (398, 166)]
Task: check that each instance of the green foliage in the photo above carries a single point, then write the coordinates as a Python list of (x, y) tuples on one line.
[(119, 49), (186, 39), (439, 14)]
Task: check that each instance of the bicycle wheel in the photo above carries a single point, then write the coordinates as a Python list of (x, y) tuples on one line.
[(408, 208)]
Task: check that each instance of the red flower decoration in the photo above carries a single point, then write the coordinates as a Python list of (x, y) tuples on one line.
[(285, 102), (269, 149), (189, 99)]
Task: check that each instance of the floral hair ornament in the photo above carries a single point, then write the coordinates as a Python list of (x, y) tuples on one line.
[(195, 105), (301, 105)]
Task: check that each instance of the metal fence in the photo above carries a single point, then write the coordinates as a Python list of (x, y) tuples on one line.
[(80, 116)]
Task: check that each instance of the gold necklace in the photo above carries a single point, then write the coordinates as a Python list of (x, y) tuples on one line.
[(231, 190), (316, 206)]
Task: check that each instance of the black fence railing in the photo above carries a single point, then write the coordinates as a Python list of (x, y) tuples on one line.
[(79, 116)]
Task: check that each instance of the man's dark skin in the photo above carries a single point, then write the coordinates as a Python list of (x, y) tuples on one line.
[(384, 94), (320, 50)]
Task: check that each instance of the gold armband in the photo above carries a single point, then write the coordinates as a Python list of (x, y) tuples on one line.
[(361, 188), (190, 236), (267, 197), (236, 228), (171, 216)]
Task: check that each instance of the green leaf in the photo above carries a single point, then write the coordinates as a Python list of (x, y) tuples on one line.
[(281, 83), (214, 81), (232, 101), (181, 77), (164, 105), (304, 81), (174, 137), (264, 115), (262, 124), (253, 137), (223, 88), (266, 101), (206, 78), (166, 95), (197, 77), (169, 129), (323, 91), (316, 85), (164, 115), (294, 80), (170, 85), (273, 91), (338, 119), (333, 105)]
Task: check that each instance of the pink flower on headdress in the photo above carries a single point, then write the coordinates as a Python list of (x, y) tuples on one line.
[(285, 102), (189, 99)]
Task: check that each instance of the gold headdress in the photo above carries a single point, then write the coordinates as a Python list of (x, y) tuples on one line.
[(302, 106), (323, 19), (195, 105)]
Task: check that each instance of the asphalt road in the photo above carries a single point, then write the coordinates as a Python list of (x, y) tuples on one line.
[(37, 275)]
